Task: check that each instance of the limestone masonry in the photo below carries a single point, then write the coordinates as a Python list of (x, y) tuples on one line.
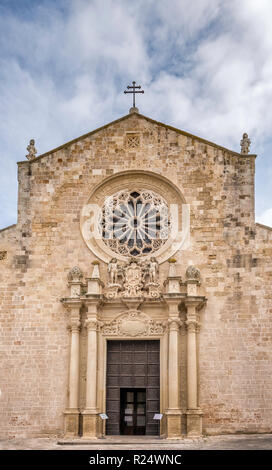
[(205, 296)]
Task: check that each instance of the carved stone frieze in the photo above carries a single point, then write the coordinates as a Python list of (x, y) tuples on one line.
[(133, 279), (91, 324), (132, 324)]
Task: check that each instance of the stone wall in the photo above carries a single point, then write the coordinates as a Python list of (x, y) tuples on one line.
[(232, 253)]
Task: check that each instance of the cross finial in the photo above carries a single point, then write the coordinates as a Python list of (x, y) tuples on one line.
[(133, 88)]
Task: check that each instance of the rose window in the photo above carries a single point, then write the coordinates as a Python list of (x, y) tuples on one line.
[(134, 223)]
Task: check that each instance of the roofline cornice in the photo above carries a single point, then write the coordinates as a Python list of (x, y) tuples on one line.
[(264, 226)]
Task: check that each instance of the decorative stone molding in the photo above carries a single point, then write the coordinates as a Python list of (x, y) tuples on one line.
[(132, 140), (132, 324), (192, 273), (173, 282), (75, 275), (94, 283), (192, 280), (3, 255)]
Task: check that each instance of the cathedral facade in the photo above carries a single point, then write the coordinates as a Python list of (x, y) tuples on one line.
[(136, 289)]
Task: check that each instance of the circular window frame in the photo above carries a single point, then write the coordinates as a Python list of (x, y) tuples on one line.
[(131, 180)]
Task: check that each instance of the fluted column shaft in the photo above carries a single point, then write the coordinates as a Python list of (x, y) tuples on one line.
[(173, 364), (191, 364), (91, 380), (74, 361), (194, 413), (72, 411)]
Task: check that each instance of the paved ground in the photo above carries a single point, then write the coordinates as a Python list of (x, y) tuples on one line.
[(226, 442)]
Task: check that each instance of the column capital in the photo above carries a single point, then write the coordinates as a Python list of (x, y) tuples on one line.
[(192, 325), (92, 324), (174, 323), (75, 325)]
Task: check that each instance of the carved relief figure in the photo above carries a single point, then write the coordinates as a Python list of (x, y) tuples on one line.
[(153, 269), (113, 271), (133, 279)]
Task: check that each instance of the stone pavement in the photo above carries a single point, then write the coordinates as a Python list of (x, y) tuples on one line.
[(223, 442)]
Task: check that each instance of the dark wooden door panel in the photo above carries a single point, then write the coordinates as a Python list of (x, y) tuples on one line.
[(133, 365)]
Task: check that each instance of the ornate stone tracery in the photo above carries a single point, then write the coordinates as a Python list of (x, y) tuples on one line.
[(134, 223), (170, 215)]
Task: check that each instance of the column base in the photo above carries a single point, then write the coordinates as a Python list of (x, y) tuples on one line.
[(173, 424), (194, 423), (91, 424), (71, 422)]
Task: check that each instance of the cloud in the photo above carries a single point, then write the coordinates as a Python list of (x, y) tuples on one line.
[(206, 67), (266, 218)]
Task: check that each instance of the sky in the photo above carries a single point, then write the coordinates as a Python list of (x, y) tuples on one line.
[(205, 66)]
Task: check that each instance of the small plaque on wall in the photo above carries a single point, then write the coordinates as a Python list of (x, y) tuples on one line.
[(158, 416), (103, 416)]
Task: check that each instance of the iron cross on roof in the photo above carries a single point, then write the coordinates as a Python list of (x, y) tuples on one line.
[(133, 87)]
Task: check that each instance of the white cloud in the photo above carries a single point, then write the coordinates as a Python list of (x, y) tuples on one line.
[(266, 218), (206, 67)]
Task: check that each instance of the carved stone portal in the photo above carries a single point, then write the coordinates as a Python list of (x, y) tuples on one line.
[(133, 323)]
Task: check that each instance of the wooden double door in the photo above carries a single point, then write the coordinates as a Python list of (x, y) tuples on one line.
[(133, 387), (133, 411)]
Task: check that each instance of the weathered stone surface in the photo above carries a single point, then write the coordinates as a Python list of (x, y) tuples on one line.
[(232, 253)]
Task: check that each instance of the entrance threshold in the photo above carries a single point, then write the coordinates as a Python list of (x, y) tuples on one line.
[(117, 440)]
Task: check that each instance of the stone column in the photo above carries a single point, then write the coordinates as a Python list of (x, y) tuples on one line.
[(72, 412), (173, 413), (194, 414), (90, 414), (193, 302)]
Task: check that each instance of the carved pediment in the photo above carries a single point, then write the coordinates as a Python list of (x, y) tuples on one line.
[(132, 324)]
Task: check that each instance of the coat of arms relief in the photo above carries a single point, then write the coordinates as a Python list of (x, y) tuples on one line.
[(133, 279)]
